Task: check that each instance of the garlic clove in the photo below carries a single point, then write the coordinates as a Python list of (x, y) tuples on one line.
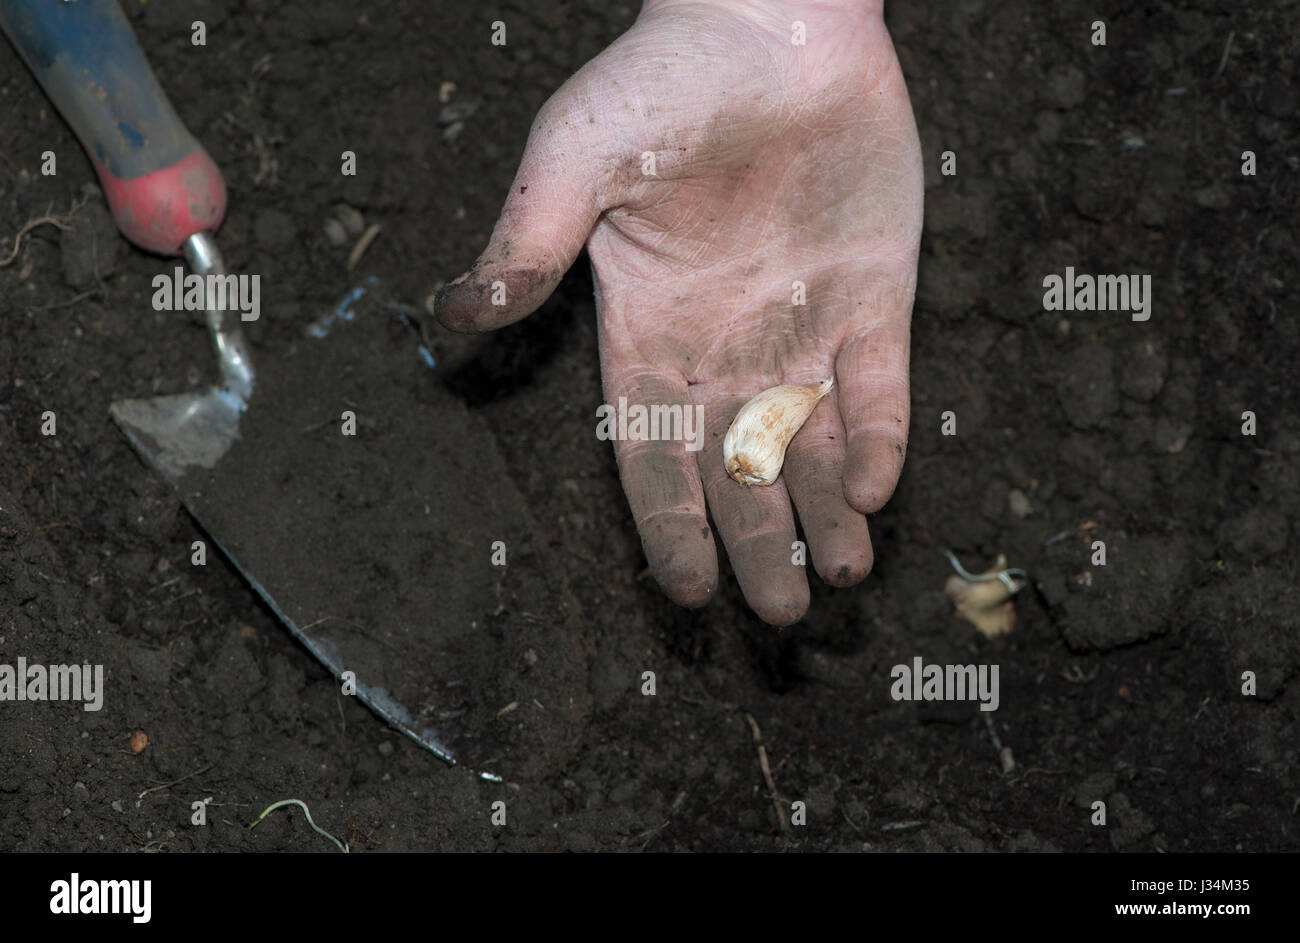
[(987, 604), (754, 449)]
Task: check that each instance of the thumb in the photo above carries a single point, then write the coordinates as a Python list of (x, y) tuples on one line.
[(553, 205)]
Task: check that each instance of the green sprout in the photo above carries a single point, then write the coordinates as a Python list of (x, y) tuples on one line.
[(305, 811)]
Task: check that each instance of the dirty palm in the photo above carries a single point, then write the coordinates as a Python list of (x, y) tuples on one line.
[(746, 177)]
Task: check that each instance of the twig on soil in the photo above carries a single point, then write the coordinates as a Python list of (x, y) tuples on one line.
[(900, 826), (69, 303), (362, 245), (1037, 769), (165, 583), (382, 641), (180, 597), (1227, 48), (1043, 770), (267, 166), (767, 772), (648, 834), (1057, 538), (305, 811), (1200, 710), (175, 781), (725, 706), (58, 220), (319, 425)]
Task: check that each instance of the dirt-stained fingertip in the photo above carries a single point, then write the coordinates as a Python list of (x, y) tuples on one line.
[(845, 568), (684, 562), (779, 611), (487, 298), (871, 474)]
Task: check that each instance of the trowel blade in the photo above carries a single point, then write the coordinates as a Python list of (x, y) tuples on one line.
[(181, 431), (373, 513)]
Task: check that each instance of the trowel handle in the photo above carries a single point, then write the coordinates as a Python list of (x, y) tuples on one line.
[(161, 184)]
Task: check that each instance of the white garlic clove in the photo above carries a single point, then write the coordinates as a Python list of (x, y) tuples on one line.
[(754, 449), (986, 604)]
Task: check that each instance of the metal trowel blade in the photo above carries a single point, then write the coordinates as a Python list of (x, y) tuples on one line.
[(376, 517), (181, 431)]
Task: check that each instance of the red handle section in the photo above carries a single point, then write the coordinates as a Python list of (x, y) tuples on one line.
[(160, 210)]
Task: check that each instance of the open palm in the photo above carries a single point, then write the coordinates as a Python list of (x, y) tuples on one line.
[(751, 206)]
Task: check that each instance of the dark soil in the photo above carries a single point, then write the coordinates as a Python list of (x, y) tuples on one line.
[(1120, 683)]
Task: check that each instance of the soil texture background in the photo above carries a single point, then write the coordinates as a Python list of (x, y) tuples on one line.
[(1120, 683)]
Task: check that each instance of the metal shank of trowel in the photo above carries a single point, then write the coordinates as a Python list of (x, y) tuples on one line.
[(166, 193), (204, 259)]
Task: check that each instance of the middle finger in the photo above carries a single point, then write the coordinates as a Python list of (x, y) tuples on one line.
[(756, 523)]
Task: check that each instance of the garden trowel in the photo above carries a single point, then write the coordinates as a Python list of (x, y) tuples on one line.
[(355, 493)]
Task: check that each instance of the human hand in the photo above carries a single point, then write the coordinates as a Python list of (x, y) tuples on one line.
[(774, 163)]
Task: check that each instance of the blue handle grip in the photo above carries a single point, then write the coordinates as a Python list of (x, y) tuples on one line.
[(86, 57), (160, 182)]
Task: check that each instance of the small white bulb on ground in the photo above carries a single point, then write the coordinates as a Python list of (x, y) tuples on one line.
[(987, 604)]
